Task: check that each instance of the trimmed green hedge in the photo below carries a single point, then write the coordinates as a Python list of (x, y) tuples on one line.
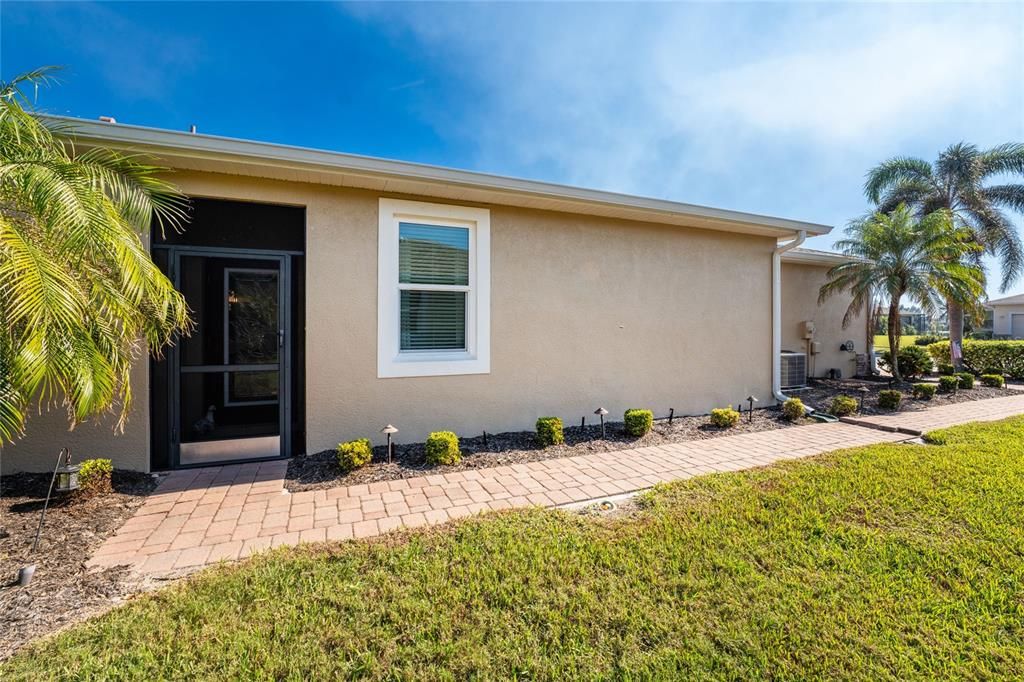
[(949, 384), (993, 380), (354, 454), (94, 476), (924, 391), (443, 448), (793, 409), (890, 399), (638, 422), (725, 417), (966, 379), (1006, 356), (842, 406), (549, 431)]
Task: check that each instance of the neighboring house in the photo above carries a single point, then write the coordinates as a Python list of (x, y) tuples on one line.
[(335, 294), (1007, 317)]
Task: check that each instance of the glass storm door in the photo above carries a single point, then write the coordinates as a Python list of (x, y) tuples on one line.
[(231, 392)]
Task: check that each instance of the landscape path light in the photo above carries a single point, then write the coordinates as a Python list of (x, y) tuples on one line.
[(750, 411), (601, 412), (863, 390), (388, 430)]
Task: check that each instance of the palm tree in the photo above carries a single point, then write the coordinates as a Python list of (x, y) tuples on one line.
[(895, 255), (80, 298), (961, 182)]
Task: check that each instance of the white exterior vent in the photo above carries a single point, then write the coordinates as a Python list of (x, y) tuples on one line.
[(794, 370)]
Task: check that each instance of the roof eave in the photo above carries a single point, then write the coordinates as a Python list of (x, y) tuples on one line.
[(181, 149)]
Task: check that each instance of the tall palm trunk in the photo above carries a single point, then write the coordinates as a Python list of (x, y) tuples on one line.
[(955, 318), (894, 337)]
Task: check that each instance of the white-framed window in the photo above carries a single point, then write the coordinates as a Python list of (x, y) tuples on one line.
[(433, 289)]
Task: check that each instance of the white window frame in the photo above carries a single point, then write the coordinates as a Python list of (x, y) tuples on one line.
[(476, 359)]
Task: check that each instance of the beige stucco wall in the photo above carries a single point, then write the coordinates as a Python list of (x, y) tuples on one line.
[(47, 431), (800, 285), (585, 312), (1001, 318)]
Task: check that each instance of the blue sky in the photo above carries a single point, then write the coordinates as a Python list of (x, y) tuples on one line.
[(771, 108)]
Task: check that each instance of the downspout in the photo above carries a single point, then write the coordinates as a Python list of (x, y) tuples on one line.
[(777, 313)]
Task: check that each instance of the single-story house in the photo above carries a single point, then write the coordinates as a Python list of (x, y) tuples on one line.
[(1007, 317), (334, 294)]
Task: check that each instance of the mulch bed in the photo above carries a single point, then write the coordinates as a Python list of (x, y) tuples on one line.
[(820, 394), (320, 470), (63, 590)]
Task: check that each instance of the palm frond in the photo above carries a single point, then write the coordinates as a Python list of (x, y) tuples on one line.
[(894, 171)]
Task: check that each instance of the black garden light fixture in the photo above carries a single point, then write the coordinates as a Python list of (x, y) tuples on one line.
[(750, 410), (65, 479), (863, 390), (601, 412), (388, 430)]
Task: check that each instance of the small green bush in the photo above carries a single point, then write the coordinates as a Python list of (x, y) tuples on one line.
[(946, 369), (993, 380), (549, 431), (443, 448), (949, 384), (94, 476), (992, 370), (926, 340), (843, 405), (725, 417), (890, 399), (966, 379), (793, 409), (638, 422), (354, 454), (914, 361), (925, 391)]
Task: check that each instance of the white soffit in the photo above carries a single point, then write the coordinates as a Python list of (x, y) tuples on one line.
[(187, 151)]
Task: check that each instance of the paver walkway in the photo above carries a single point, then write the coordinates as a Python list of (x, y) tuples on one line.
[(202, 516)]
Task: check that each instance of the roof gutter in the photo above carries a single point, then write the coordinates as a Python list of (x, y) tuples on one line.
[(801, 236)]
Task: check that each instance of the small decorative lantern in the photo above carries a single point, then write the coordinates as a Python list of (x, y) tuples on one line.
[(388, 430), (750, 411), (863, 390), (601, 412), (67, 478)]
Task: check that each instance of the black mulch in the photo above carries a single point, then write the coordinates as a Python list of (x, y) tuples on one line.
[(819, 395), (320, 470), (63, 590)]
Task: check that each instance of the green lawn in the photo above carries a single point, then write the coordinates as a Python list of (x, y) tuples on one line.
[(886, 562), (882, 341)]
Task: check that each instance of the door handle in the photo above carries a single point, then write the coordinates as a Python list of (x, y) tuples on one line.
[(280, 338)]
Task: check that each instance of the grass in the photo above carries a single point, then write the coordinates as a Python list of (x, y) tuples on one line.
[(882, 341), (886, 562)]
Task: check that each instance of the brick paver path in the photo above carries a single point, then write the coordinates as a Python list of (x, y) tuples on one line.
[(201, 516)]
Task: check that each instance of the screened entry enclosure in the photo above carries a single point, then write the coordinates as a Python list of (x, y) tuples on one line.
[(229, 385)]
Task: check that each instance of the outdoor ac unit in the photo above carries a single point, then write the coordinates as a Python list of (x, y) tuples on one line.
[(794, 370)]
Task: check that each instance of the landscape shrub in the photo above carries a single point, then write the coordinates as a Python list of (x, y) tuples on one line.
[(549, 431), (914, 361), (890, 399), (992, 370), (924, 391), (949, 384), (981, 336), (443, 448), (1005, 356), (638, 422), (843, 405), (926, 340), (946, 369), (966, 379), (94, 476), (354, 454), (793, 409), (993, 380), (725, 417)]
